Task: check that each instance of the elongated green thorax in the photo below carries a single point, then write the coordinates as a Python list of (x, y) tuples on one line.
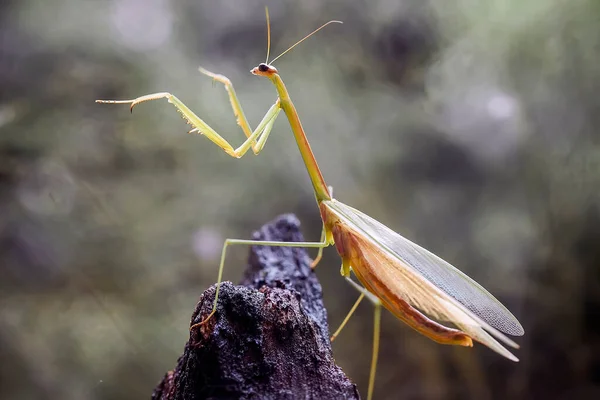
[(319, 185)]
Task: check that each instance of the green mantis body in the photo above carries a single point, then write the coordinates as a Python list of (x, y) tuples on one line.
[(396, 273)]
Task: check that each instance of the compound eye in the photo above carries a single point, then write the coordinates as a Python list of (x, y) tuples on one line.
[(263, 67)]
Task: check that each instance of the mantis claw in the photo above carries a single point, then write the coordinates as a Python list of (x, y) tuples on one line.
[(204, 321), (138, 100)]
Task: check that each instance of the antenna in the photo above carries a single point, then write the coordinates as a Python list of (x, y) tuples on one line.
[(268, 34), (306, 37)]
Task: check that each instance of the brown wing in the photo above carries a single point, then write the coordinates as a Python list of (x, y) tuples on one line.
[(396, 275)]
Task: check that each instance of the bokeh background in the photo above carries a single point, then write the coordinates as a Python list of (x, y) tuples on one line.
[(469, 126)]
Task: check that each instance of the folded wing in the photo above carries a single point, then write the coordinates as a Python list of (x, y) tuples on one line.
[(434, 286)]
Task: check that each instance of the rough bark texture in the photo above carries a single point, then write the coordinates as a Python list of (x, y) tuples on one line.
[(269, 337)]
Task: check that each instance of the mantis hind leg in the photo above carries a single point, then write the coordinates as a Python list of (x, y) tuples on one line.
[(348, 316), (376, 329), (375, 353), (229, 242)]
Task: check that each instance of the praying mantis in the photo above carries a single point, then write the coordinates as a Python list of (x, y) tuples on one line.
[(406, 279)]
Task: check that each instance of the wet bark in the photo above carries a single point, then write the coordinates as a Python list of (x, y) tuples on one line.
[(269, 338)]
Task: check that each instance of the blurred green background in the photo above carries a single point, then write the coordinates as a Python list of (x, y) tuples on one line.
[(469, 126)]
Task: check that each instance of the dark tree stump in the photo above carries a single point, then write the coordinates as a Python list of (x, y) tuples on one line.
[(269, 337)]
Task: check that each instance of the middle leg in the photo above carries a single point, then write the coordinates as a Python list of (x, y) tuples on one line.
[(229, 242)]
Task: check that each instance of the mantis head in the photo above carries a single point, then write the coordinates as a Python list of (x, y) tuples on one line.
[(267, 70), (263, 69)]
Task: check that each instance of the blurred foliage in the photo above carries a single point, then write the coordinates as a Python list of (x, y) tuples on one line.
[(468, 126)]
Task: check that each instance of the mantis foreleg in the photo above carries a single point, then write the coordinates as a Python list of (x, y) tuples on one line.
[(201, 127)]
